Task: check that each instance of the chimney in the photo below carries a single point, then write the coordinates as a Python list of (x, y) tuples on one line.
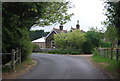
[(61, 27), (77, 26)]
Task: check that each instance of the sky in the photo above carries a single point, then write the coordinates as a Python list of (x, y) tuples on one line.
[(88, 12)]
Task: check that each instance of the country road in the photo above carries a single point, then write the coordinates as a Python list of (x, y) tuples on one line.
[(51, 66)]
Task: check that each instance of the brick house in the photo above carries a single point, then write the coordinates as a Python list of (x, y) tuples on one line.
[(49, 40), (50, 37)]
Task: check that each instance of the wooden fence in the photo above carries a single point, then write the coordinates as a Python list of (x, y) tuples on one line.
[(110, 53), (15, 58)]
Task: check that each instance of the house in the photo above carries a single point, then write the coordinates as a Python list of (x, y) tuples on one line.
[(50, 43), (40, 42), (49, 40)]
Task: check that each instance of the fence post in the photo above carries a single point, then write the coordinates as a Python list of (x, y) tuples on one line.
[(117, 51), (13, 59), (102, 52), (19, 55), (107, 53), (111, 53), (17, 51)]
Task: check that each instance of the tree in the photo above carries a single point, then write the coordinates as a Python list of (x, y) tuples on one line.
[(19, 17), (113, 15), (72, 40), (111, 34), (61, 40), (76, 39), (93, 39)]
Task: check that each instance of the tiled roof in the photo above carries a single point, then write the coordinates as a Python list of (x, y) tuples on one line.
[(76, 29), (59, 31), (73, 28)]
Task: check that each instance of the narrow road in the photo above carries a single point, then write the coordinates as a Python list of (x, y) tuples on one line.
[(63, 67)]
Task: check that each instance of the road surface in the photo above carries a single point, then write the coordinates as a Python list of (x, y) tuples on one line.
[(52, 66)]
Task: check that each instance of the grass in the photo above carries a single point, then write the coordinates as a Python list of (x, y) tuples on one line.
[(28, 61), (111, 66)]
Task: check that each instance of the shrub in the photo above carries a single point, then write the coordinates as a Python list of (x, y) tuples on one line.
[(66, 51), (35, 47), (106, 44), (95, 52), (86, 48)]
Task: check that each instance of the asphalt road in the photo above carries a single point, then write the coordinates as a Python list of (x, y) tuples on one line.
[(63, 67)]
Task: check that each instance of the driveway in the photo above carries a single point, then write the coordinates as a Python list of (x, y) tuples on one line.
[(52, 66)]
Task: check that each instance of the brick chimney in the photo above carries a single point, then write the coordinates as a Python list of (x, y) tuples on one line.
[(77, 26), (61, 27)]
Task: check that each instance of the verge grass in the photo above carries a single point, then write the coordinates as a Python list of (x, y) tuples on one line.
[(21, 66), (111, 66)]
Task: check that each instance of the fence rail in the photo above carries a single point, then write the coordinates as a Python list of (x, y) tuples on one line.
[(15, 58), (110, 53)]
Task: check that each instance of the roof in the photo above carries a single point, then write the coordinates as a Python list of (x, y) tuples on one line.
[(59, 31), (76, 29), (39, 40), (56, 31), (73, 28)]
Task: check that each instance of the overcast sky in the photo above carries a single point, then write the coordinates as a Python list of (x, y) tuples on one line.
[(88, 12)]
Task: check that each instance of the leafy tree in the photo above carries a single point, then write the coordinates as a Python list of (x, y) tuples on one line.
[(19, 17), (72, 40), (113, 15), (61, 40), (111, 34), (93, 39), (76, 39)]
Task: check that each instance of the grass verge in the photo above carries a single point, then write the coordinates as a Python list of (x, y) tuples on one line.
[(111, 66), (8, 73)]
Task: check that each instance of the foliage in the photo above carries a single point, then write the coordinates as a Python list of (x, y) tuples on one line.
[(93, 39), (95, 52), (111, 34), (65, 51), (106, 44), (76, 39), (35, 34), (87, 48), (38, 13), (35, 46), (61, 39), (19, 17), (113, 15), (72, 39)]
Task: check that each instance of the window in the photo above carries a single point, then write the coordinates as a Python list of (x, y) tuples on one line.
[(52, 44)]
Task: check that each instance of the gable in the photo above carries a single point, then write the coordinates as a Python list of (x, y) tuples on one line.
[(51, 33)]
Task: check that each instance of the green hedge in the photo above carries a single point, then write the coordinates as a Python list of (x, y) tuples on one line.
[(60, 51), (106, 44)]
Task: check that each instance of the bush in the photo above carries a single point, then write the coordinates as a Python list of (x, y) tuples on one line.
[(66, 51), (95, 52), (106, 44), (35, 47), (54, 51), (19, 39), (86, 48)]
